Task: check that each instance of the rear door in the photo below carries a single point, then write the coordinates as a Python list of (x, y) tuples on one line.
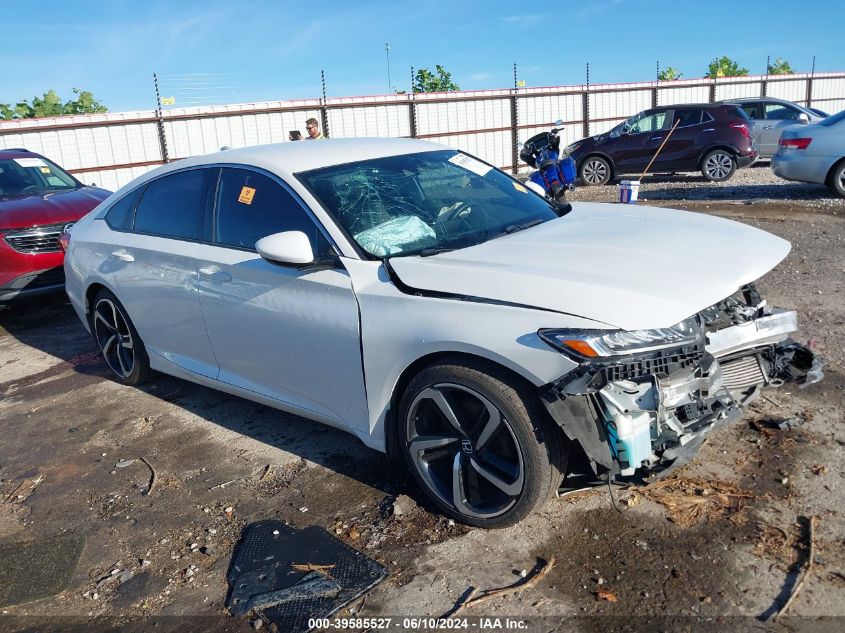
[(155, 269), (682, 150), (777, 117), (288, 333)]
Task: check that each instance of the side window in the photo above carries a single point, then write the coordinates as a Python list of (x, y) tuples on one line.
[(686, 117), (780, 112), (119, 216), (752, 110), (174, 206), (706, 117), (251, 205), (649, 123)]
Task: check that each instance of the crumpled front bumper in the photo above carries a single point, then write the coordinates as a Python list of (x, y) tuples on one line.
[(645, 413)]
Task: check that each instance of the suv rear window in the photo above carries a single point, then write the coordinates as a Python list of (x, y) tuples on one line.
[(739, 112), (174, 206)]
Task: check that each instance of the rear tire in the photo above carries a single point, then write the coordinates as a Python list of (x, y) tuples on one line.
[(118, 340), (718, 165), (836, 181), (595, 171), (479, 443)]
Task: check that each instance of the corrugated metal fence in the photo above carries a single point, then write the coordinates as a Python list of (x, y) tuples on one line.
[(111, 149)]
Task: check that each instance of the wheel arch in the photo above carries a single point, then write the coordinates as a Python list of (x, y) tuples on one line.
[(391, 420), (579, 163), (829, 178), (723, 146), (90, 292)]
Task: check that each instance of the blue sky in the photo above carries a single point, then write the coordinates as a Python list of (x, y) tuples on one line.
[(237, 51)]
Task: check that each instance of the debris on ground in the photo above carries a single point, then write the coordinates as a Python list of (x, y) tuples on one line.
[(691, 500), (403, 505), (24, 489), (807, 570), (605, 595), (529, 581), (267, 578)]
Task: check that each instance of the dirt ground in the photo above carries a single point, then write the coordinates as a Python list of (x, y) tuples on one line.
[(726, 542)]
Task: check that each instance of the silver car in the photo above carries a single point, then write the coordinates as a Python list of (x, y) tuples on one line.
[(771, 116), (438, 310), (814, 153)]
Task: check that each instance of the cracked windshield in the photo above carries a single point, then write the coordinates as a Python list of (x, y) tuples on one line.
[(425, 203)]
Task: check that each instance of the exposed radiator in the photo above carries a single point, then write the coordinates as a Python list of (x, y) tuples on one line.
[(742, 373)]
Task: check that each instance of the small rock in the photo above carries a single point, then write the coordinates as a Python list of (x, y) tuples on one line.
[(194, 546), (275, 532), (95, 595), (784, 481), (123, 463), (207, 550), (303, 509), (354, 534), (403, 505), (257, 623), (212, 531)]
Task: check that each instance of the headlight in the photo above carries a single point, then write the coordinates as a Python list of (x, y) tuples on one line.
[(571, 148), (605, 343)]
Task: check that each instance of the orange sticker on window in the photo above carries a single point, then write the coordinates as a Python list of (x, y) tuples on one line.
[(247, 194), (519, 187), (45, 170)]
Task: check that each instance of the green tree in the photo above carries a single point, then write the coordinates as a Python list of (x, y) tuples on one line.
[(669, 74), (725, 67), (50, 104), (438, 81), (780, 67)]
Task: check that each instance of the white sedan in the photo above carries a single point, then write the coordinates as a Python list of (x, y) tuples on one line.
[(814, 153), (438, 310)]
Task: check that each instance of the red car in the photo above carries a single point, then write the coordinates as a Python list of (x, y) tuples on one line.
[(38, 202)]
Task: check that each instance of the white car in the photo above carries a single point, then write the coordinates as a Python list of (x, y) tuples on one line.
[(814, 153), (437, 309)]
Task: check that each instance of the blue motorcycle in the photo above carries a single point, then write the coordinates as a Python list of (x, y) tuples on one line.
[(555, 174)]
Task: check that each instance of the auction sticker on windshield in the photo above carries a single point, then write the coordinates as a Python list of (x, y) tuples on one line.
[(30, 162), (470, 164)]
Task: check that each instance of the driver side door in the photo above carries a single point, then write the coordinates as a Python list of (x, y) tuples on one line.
[(287, 333), (645, 133)]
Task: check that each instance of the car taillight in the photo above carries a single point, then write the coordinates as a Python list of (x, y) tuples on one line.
[(743, 128), (64, 240), (795, 143)]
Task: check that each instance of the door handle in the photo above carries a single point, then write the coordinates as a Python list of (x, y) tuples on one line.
[(214, 273), (123, 255), (710, 129), (656, 138), (768, 127)]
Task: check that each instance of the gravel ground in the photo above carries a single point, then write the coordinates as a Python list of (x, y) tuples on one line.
[(69, 431), (753, 185)]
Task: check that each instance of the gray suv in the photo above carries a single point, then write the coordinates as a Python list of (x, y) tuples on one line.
[(771, 116)]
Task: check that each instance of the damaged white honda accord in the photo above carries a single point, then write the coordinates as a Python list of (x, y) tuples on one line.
[(438, 310)]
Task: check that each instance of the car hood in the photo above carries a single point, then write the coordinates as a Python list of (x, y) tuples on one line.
[(627, 267), (49, 208)]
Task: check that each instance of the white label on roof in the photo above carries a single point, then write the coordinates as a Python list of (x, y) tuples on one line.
[(30, 162), (470, 164)]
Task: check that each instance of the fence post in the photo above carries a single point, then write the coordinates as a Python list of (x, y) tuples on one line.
[(713, 90), (324, 113), (412, 108), (514, 124), (810, 84), (162, 139), (585, 105), (764, 87)]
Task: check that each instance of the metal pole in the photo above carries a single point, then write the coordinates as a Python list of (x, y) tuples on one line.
[(810, 84), (387, 52), (764, 88), (162, 139), (586, 104), (514, 124), (324, 113), (412, 108), (654, 90), (658, 70)]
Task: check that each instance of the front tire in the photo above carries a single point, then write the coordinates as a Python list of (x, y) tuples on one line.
[(479, 443), (718, 165), (118, 340), (594, 171)]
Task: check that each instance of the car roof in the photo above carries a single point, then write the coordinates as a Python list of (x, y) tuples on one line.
[(300, 156), (760, 99), (16, 152)]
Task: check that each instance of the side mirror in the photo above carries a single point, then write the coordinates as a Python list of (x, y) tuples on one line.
[(559, 123), (289, 248), (803, 118)]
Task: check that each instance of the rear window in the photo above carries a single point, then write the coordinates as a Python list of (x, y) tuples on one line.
[(739, 112), (119, 216), (174, 206)]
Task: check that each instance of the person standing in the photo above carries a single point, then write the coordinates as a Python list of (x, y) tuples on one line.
[(313, 129)]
